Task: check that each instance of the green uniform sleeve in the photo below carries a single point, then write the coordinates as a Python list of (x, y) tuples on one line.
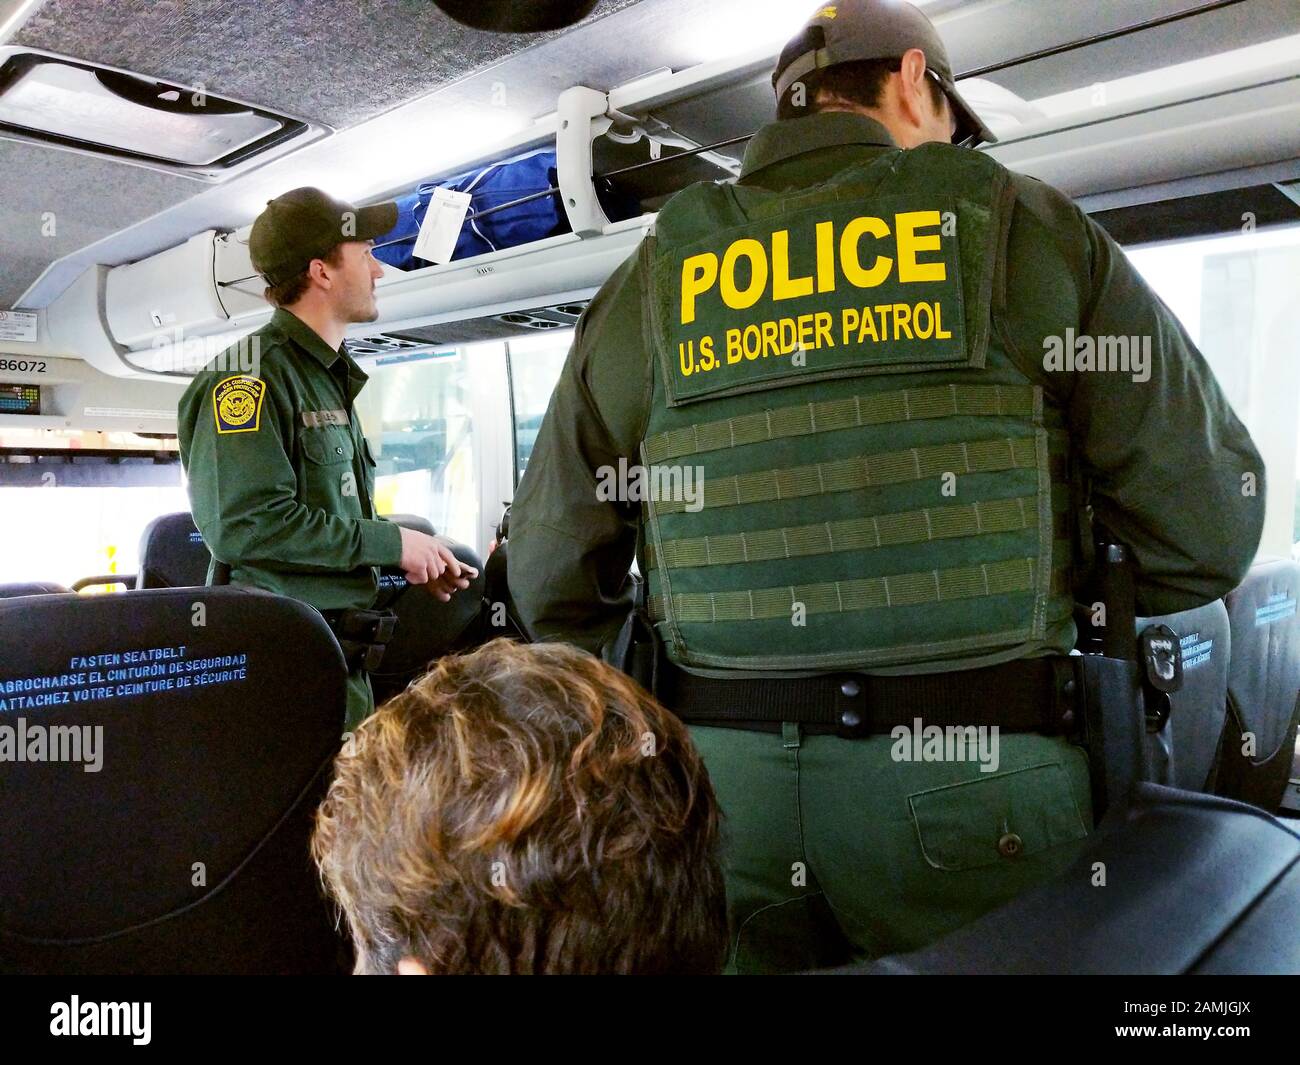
[(1173, 472), (244, 495), (570, 551)]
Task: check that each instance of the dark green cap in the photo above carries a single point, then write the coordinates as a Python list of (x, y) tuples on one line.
[(306, 224), (856, 30)]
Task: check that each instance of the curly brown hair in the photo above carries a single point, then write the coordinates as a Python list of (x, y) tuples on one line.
[(525, 809)]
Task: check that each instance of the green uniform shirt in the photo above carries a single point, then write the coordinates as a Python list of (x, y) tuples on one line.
[(1141, 445), (281, 478)]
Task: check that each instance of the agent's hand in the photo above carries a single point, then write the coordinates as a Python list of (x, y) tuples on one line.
[(429, 560)]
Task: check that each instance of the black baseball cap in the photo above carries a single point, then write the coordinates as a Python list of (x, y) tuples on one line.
[(854, 30), (306, 224)]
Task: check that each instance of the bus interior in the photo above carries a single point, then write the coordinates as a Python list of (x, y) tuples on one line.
[(139, 139)]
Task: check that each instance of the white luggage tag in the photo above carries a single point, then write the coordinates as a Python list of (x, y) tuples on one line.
[(442, 225)]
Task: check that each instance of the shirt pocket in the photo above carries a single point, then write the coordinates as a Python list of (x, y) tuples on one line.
[(328, 466), (997, 818)]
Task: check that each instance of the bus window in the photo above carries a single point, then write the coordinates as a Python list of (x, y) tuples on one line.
[(535, 366), (1235, 296), (77, 502), (418, 421)]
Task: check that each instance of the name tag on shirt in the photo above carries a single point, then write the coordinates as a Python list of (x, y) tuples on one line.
[(320, 419)]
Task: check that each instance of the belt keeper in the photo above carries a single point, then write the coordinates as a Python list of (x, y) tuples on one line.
[(854, 722)]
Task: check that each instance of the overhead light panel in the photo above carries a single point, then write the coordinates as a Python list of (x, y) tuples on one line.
[(71, 104)]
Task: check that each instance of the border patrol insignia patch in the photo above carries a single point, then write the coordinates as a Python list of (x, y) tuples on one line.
[(237, 404)]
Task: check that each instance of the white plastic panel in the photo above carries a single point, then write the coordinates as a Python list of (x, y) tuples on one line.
[(166, 293)]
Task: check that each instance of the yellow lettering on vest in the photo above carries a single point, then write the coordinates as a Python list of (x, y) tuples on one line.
[(753, 342), (771, 346), (825, 256), (707, 359), (940, 333), (903, 320), (741, 299), (733, 346), (824, 323), (805, 331), (851, 319), (686, 355), (909, 243), (784, 287), (882, 309), (699, 274), (926, 331), (851, 264), (868, 327), (789, 336)]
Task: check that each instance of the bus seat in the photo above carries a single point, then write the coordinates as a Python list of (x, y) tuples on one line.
[(1192, 884), (173, 554), (412, 521), (426, 628), (14, 591), (215, 714), (1263, 684), (1184, 751)]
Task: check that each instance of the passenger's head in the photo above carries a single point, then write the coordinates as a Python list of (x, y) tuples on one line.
[(882, 59), (315, 252), (524, 809)]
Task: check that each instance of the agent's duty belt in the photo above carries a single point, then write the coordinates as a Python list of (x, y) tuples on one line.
[(362, 634), (1027, 695)]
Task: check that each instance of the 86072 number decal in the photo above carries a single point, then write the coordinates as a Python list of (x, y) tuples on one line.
[(23, 366)]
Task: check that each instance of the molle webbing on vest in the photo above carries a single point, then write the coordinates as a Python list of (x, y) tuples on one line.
[(855, 534), (873, 593), (849, 412), (863, 471)]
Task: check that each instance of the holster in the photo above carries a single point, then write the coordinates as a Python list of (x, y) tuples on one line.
[(362, 635)]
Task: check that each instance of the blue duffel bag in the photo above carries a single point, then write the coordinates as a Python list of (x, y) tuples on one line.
[(491, 186)]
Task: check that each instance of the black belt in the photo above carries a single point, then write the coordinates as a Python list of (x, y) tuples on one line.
[(362, 634), (1027, 695)]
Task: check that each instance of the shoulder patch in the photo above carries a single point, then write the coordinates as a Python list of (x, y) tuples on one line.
[(237, 404)]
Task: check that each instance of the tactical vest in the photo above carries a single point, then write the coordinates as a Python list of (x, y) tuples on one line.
[(843, 467)]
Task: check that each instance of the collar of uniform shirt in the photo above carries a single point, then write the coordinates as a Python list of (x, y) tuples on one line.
[(306, 337), (309, 340), (779, 141)]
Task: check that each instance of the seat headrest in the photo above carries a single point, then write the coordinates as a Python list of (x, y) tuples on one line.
[(189, 722), (173, 554), (412, 521)]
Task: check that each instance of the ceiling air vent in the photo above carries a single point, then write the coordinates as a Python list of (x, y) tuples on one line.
[(68, 103)]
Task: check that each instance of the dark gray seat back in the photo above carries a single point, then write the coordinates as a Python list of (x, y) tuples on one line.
[(1183, 753), (1259, 741), (172, 553), (214, 715)]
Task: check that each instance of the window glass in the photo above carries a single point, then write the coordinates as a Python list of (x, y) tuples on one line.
[(535, 367), (1236, 297), (75, 502), (417, 417)]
